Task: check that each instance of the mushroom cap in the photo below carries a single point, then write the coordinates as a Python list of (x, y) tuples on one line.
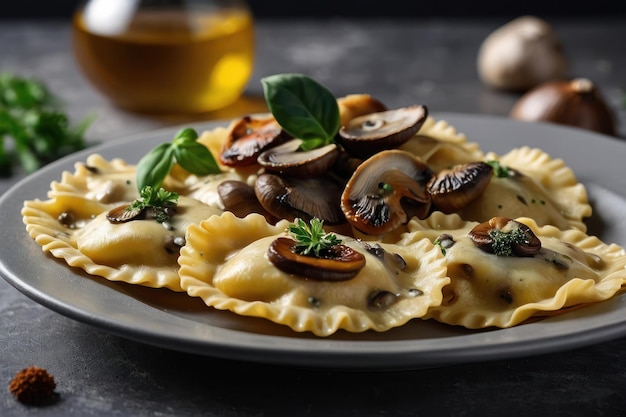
[(248, 137), (355, 105), (345, 165), (291, 198), (454, 188), (289, 160), (239, 198), (341, 262), (522, 54), (385, 191), (485, 239), (366, 135), (578, 102)]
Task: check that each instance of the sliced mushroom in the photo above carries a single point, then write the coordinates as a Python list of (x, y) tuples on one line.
[(339, 263), (240, 199), (249, 137), (127, 212), (355, 105), (289, 160), (385, 191), (505, 237), (291, 198), (345, 165), (454, 188), (366, 135)]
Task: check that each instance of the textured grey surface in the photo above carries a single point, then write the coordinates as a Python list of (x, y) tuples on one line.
[(400, 62)]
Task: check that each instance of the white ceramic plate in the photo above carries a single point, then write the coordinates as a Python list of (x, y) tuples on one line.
[(179, 322)]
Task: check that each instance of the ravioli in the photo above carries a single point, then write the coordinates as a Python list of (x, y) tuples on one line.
[(488, 290), (233, 273), (145, 252), (108, 182), (541, 188)]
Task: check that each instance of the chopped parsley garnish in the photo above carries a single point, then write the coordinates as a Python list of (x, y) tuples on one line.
[(439, 243), (311, 239), (503, 241), (157, 199), (499, 170)]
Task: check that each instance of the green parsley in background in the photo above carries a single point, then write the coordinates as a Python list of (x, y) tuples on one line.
[(34, 130)]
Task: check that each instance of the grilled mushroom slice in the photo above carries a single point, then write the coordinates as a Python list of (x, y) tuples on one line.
[(338, 263), (355, 105), (505, 237), (385, 191), (288, 159), (291, 198), (128, 212), (366, 135), (125, 213), (454, 188), (249, 137)]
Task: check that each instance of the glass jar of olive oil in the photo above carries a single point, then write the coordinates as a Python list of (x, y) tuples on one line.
[(166, 56)]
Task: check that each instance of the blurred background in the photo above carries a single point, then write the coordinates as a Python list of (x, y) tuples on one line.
[(366, 8), (399, 51)]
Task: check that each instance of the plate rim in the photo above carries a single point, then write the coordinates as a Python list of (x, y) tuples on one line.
[(324, 352)]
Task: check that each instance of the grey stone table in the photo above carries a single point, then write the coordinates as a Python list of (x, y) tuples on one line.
[(400, 62)]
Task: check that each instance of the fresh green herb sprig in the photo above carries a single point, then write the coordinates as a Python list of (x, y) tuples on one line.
[(499, 170), (185, 150), (303, 108), (439, 243), (311, 239), (33, 118), (158, 199)]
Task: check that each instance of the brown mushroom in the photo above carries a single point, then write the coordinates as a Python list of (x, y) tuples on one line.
[(578, 102), (128, 212), (288, 159), (505, 237), (240, 199), (366, 135), (355, 105), (454, 188), (291, 198), (248, 137), (522, 54), (345, 165), (385, 191), (339, 262)]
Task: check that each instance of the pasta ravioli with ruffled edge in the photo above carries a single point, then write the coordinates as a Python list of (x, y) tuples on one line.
[(488, 290), (224, 262), (440, 145), (75, 229), (538, 186)]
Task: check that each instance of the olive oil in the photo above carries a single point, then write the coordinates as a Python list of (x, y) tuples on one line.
[(169, 61)]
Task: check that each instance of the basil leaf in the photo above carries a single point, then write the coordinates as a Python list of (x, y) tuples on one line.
[(303, 107), (154, 166), (312, 144), (195, 158), (185, 135)]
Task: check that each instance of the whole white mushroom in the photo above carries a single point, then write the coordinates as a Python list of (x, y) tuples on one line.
[(521, 55)]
